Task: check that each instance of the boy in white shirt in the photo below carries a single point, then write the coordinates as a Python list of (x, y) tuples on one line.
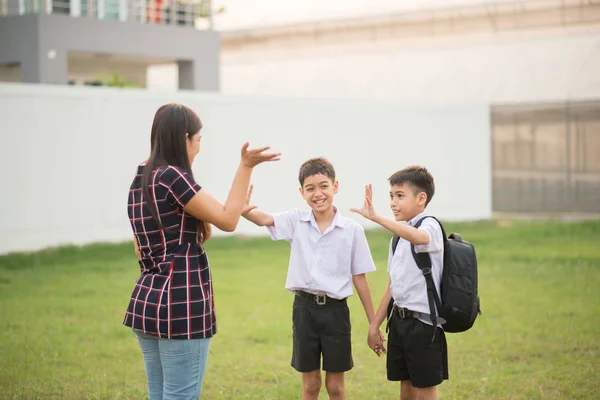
[(416, 356), (329, 253)]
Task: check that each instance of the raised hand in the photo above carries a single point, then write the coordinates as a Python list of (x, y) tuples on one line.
[(252, 157), (247, 207), (367, 209)]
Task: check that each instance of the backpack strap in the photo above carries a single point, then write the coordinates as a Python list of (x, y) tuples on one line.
[(395, 241), (423, 261)]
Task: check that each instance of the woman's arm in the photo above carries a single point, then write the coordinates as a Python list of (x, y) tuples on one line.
[(226, 216)]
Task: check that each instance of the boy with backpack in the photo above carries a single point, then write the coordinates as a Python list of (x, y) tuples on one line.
[(419, 253)]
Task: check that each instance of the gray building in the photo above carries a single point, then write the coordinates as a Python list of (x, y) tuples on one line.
[(85, 41)]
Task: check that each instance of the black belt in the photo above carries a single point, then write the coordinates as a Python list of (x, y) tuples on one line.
[(404, 313), (320, 299)]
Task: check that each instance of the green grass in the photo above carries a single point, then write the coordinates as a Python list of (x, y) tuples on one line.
[(538, 338)]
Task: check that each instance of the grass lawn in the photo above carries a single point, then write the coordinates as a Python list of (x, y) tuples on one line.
[(538, 338)]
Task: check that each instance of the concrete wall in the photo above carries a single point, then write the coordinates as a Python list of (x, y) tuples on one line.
[(515, 67), (68, 155), (19, 43), (42, 43)]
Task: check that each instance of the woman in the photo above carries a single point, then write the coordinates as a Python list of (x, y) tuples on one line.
[(171, 309)]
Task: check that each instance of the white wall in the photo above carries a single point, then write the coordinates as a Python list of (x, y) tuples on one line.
[(519, 67), (68, 155), (163, 77)]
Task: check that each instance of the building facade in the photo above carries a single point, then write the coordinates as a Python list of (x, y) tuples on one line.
[(86, 42), (535, 63)]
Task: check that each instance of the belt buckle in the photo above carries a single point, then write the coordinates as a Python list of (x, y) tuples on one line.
[(401, 312), (321, 299)]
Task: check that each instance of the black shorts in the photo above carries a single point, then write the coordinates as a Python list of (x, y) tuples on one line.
[(321, 329), (411, 356)]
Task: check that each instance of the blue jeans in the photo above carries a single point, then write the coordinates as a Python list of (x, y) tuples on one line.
[(174, 368)]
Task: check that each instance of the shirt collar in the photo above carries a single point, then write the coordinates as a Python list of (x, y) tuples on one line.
[(308, 216), (414, 221)]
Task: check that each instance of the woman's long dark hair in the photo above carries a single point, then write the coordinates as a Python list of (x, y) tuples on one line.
[(172, 123), (155, 125)]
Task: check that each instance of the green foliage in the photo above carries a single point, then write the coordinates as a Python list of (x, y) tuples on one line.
[(117, 81)]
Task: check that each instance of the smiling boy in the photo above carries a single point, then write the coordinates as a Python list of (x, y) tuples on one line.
[(329, 253)]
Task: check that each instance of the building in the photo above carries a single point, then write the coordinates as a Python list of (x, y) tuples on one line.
[(95, 41), (536, 63)]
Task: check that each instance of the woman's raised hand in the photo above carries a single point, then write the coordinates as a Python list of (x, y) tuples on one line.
[(252, 157)]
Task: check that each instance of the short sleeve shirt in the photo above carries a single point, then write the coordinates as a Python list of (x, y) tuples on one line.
[(408, 286), (322, 262), (173, 297)]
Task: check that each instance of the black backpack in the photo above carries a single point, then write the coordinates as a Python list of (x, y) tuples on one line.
[(459, 300)]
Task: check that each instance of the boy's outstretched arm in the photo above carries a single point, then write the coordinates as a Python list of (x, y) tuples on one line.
[(255, 216), (413, 235)]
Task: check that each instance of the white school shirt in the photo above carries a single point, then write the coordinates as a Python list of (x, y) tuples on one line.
[(408, 287), (322, 262)]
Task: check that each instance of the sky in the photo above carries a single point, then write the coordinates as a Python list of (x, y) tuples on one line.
[(244, 14)]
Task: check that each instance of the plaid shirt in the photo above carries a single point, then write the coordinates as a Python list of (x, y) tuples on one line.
[(173, 298)]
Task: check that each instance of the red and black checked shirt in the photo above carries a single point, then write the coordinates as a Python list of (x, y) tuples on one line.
[(173, 298)]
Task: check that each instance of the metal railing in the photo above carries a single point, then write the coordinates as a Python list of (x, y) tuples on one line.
[(545, 158), (164, 12)]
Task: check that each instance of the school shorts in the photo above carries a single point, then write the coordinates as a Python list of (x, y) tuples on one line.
[(321, 330), (411, 355)]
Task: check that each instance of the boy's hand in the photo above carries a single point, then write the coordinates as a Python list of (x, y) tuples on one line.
[(247, 207), (367, 209), (376, 340)]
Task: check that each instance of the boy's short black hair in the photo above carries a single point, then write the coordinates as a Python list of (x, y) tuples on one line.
[(418, 178), (316, 166)]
